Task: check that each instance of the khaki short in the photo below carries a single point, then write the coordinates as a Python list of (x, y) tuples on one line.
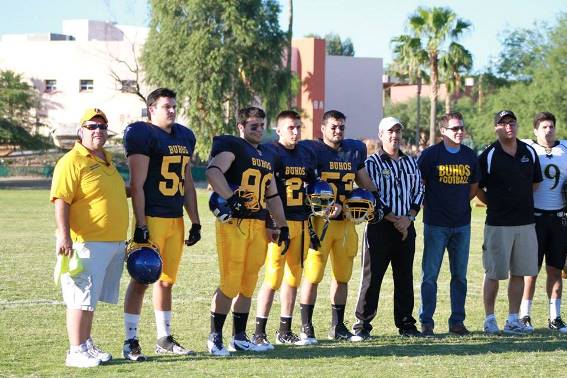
[(509, 250), (103, 263)]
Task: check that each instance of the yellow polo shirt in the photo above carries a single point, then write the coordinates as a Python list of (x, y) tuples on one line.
[(96, 193)]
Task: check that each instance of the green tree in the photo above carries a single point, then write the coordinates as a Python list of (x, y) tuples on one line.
[(219, 56), (456, 61), (522, 51), (435, 27), (409, 62), (17, 98), (334, 45)]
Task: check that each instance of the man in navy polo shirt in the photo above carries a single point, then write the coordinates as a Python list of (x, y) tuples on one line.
[(510, 172), (449, 171)]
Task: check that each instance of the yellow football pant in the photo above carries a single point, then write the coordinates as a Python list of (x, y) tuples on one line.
[(241, 252), (167, 234), (341, 242), (287, 267)]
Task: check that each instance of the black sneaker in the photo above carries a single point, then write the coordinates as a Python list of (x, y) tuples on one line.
[(427, 330), (410, 331), (362, 333), (527, 322), (459, 330), (308, 334), (168, 344), (341, 332), (132, 351), (557, 325), (289, 338)]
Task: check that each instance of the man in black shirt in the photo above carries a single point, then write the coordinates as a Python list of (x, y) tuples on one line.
[(510, 171)]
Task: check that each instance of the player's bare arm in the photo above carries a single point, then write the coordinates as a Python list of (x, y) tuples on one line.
[(190, 197), (274, 204), (138, 173), (215, 173)]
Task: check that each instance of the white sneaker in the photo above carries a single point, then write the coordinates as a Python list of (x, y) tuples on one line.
[(307, 334), (527, 322), (96, 352), (261, 340), (81, 360), (243, 344), (132, 350), (308, 339), (516, 328), (215, 346), (491, 327)]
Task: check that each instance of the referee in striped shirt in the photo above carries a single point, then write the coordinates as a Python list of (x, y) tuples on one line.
[(398, 180)]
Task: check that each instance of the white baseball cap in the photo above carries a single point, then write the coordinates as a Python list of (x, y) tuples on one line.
[(388, 122)]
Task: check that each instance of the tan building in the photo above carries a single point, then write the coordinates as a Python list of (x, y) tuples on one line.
[(91, 64)]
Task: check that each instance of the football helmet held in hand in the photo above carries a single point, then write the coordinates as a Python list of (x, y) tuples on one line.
[(359, 206), (321, 198), (143, 262)]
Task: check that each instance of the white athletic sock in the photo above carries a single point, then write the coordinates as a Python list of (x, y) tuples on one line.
[(554, 308), (526, 308), (78, 348), (512, 318), (163, 320), (131, 322)]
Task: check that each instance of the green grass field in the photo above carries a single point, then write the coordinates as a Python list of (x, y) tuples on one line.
[(33, 339)]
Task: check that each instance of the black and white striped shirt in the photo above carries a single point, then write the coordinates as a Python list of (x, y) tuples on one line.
[(398, 181)]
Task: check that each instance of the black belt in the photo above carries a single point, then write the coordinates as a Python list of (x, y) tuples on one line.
[(557, 213)]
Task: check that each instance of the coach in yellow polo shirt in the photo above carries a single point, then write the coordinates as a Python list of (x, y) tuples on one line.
[(91, 213)]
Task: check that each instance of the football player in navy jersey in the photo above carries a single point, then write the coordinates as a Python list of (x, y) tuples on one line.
[(159, 154), (340, 162), (241, 243), (294, 168)]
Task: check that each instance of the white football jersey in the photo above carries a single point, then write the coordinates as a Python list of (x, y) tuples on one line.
[(553, 163)]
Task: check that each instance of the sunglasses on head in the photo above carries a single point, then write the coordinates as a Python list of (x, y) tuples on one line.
[(94, 126)]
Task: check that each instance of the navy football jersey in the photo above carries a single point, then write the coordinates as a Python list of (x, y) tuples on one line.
[(293, 169), (338, 167), (251, 169), (169, 155)]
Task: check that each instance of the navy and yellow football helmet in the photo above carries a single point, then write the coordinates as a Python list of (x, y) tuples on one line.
[(143, 262), (221, 208), (359, 206), (320, 197)]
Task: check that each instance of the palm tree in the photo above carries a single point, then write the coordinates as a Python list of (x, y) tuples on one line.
[(434, 26), (452, 64), (289, 37), (409, 60)]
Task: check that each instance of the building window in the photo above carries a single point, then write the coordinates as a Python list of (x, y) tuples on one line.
[(145, 112), (86, 85), (128, 86), (50, 85)]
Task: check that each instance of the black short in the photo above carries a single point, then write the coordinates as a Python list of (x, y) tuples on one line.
[(551, 240)]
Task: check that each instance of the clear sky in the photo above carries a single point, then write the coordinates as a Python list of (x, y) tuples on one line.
[(369, 23)]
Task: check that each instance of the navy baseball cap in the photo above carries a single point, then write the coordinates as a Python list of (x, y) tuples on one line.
[(503, 113)]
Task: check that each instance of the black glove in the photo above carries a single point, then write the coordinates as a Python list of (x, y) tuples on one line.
[(194, 235), (284, 238), (315, 242), (141, 234), (238, 206)]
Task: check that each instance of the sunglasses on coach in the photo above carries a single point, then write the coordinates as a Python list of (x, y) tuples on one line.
[(94, 126)]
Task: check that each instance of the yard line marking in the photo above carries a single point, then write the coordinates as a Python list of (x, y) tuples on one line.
[(27, 303)]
